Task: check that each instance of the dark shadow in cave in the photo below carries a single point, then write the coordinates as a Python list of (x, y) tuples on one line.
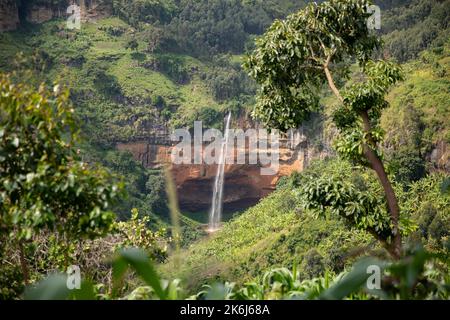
[(22, 12)]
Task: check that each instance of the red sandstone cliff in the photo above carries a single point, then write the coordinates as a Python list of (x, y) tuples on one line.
[(244, 184), (10, 13)]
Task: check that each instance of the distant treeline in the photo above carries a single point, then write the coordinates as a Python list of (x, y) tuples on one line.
[(210, 27)]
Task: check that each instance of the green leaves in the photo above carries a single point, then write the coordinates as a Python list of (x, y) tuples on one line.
[(54, 287), (409, 278), (142, 265), (292, 55), (368, 95), (136, 233), (361, 97), (279, 283), (337, 193), (404, 279), (43, 185), (350, 145), (284, 108), (352, 281)]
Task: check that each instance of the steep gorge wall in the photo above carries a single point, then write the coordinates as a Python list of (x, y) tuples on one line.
[(439, 157), (11, 15), (244, 184)]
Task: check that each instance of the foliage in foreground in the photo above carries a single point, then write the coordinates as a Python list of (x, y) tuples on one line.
[(43, 183), (285, 229), (54, 208), (419, 275)]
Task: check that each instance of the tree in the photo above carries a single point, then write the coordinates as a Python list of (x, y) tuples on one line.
[(43, 185), (154, 37), (156, 198), (299, 55), (404, 145), (132, 44), (148, 11)]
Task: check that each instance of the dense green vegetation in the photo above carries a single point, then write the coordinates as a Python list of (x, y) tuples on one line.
[(415, 26), (281, 231), (69, 197), (274, 233), (287, 98)]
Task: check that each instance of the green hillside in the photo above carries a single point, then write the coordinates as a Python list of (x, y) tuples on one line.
[(123, 92), (274, 233), (279, 232)]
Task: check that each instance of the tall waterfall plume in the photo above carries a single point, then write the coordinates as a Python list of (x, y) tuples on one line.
[(215, 215)]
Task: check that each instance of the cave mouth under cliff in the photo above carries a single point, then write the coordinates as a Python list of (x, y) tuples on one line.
[(22, 12), (200, 212), (239, 205), (228, 207), (195, 196)]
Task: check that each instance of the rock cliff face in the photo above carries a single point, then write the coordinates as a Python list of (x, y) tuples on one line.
[(94, 10), (39, 14), (9, 15), (440, 157), (244, 184)]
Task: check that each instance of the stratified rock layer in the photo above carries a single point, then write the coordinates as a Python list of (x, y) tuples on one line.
[(244, 184)]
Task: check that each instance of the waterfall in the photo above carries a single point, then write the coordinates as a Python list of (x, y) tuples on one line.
[(215, 215)]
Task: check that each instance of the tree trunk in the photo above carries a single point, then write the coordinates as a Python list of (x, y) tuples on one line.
[(394, 247), (392, 202)]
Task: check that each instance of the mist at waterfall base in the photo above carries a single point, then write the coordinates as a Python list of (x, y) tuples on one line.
[(215, 214)]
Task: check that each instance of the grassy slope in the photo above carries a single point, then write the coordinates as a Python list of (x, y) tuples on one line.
[(135, 82), (427, 88), (272, 233)]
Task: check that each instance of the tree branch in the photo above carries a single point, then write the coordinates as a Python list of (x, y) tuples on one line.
[(391, 199), (330, 79), (376, 164)]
